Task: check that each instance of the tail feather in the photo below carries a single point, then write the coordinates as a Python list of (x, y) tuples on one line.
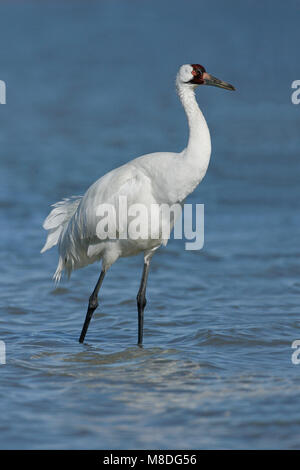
[(55, 223), (52, 238), (59, 270)]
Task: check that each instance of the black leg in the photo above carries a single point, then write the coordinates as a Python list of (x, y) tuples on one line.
[(141, 301), (93, 304)]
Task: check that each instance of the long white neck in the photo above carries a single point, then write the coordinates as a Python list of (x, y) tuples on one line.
[(198, 149)]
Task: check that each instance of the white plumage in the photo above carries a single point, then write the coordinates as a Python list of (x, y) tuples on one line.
[(157, 178)]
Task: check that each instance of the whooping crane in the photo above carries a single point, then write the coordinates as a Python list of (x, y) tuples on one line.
[(156, 178)]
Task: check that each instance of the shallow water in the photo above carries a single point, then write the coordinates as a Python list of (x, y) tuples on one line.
[(90, 86)]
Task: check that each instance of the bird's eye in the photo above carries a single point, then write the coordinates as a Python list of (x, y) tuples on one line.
[(197, 72)]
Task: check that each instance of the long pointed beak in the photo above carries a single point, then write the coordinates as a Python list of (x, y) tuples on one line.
[(213, 81)]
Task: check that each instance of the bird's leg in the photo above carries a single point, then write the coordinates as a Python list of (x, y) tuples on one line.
[(141, 300), (93, 304)]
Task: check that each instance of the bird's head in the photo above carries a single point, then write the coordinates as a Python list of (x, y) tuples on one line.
[(195, 74)]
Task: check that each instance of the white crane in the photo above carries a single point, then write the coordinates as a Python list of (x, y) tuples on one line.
[(156, 178)]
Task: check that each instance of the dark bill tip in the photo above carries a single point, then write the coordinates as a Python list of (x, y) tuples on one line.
[(213, 81)]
